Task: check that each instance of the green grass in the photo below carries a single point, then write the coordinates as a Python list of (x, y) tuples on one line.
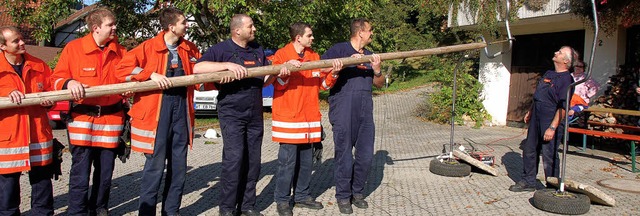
[(397, 85), (202, 123)]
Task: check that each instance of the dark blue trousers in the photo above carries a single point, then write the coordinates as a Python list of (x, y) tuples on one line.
[(535, 146), (294, 170), (41, 192), (351, 115), (82, 158), (242, 128), (172, 139)]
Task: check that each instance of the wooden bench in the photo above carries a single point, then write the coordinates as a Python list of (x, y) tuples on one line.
[(588, 132)]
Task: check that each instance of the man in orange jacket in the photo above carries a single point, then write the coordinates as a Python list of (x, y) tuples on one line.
[(27, 144), (96, 123), (296, 118), (162, 120)]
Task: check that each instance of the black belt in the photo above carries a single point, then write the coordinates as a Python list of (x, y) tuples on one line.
[(96, 110)]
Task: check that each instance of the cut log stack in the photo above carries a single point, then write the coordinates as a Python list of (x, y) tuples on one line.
[(620, 94)]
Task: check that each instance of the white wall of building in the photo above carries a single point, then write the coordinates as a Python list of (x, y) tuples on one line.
[(466, 17), (495, 77), (610, 51), (495, 73)]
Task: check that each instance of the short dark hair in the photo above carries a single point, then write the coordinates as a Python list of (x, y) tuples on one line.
[(236, 21), (298, 29), (95, 17), (357, 25), (169, 16), (7, 28)]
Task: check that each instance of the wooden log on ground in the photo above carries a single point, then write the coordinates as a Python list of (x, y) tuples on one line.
[(594, 194), (475, 162), (96, 91)]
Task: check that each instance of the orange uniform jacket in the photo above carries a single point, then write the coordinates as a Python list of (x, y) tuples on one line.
[(296, 110), (82, 60), (138, 65), (26, 139)]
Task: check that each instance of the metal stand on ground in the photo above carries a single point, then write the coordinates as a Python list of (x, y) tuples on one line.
[(560, 201), (447, 164)]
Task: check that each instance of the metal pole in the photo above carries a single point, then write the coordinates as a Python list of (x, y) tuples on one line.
[(566, 105), (453, 103)]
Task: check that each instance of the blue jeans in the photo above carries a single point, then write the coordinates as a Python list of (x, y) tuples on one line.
[(294, 168)]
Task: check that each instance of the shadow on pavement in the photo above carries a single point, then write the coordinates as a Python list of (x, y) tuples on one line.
[(322, 178), (380, 159), (512, 161), (124, 192), (127, 198), (210, 198)]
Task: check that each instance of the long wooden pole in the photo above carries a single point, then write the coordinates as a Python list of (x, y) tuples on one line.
[(97, 91)]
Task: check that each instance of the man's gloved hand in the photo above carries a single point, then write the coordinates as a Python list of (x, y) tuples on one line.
[(124, 150), (124, 141), (317, 153), (56, 165)]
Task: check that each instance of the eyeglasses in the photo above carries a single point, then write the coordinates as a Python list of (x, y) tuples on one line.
[(580, 66)]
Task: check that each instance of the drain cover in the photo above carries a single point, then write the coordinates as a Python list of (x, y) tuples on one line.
[(626, 185)]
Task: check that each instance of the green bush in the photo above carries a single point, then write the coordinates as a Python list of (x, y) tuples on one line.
[(437, 107)]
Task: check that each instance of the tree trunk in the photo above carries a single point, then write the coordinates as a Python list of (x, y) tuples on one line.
[(97, 91)]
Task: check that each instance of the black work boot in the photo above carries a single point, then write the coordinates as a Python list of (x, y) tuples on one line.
[(251, 213), (522, 186), (284, 209), (227, 213), (358, 201), (345, 207), (309, 203)]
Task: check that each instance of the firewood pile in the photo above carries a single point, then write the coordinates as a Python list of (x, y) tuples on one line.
[(620, 94)]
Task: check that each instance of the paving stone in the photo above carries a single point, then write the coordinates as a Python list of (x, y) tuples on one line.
[(399, 183)]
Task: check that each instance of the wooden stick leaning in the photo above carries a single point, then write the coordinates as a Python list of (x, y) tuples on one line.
[(97, 91)]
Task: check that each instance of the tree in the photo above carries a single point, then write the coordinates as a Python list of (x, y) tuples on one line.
[(329, 18), (40, 15), (610, 13), (134, 20), (490, 13)]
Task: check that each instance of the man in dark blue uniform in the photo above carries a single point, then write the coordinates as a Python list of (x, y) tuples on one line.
[(240, 114), (351, 115), (545, 121)]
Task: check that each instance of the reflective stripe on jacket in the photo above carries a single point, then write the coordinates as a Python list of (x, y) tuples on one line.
[(82, 60), (26, 139), (296, 110), (138, 65)]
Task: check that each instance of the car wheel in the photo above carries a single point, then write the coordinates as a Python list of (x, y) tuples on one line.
[(450, 168), (566, 203)]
